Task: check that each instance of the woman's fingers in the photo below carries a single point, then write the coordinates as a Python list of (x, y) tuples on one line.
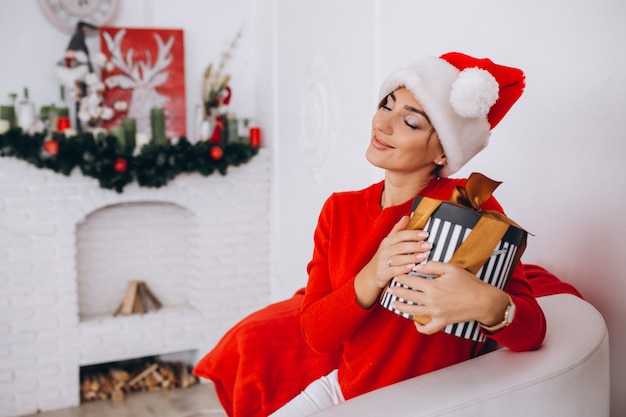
[(454, 295), (404, 247)]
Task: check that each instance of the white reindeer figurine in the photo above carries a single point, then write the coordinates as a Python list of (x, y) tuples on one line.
[(143, 77)]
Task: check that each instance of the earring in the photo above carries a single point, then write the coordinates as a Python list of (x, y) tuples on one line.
[(440, 163)]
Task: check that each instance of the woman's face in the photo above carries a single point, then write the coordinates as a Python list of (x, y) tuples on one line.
[(403, 140)]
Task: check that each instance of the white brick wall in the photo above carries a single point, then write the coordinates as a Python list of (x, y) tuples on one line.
[(68, 249)]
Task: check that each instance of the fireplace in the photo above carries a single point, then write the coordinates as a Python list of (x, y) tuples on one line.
[(70, 248)]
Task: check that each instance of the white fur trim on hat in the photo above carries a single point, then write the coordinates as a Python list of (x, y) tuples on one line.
[(430, 80)]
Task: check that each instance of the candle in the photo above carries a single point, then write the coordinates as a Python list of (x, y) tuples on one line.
[(157, 120), (26, 115), (8, 113), (63, 119), (129, 127), (118, 133), (63, 122), (255, 137)]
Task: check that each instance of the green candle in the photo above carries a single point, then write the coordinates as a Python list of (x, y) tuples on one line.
[(157, 120), (129, 127), (8, 113), (118, 133)]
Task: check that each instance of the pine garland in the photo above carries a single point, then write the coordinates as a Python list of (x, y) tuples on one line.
[(102, 159)]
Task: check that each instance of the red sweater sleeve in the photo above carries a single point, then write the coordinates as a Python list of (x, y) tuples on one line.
[(329, 315), (528, 328)]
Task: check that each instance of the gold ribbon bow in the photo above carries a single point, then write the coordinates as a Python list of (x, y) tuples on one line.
[(476, 192)]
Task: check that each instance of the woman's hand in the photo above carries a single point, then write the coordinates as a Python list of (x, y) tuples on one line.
[(397, 254), (455, 296)]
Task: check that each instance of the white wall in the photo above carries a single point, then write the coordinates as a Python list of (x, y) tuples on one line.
[(310, 71), (325, 73)]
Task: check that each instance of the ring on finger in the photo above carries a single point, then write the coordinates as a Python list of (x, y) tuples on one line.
[(389, 263)]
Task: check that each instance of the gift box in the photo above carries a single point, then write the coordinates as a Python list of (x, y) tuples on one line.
[(486, 243)]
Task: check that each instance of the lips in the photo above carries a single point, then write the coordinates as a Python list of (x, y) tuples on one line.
[(379, 144)]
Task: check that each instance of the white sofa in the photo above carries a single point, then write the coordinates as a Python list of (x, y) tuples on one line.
[(567, 376)]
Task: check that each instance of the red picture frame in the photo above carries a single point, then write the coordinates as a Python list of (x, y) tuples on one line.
[(148, 71)]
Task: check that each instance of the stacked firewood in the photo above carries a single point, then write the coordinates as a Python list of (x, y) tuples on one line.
[(117, 381), (137, 299)]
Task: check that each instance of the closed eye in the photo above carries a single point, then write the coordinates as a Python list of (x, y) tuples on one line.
[(412, 122), (388, 102)]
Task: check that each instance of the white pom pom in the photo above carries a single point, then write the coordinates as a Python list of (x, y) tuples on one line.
[(474, 92)]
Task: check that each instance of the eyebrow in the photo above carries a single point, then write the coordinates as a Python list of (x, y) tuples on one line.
[(412, 109)]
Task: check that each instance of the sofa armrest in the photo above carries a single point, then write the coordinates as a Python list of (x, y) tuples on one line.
[(568, 376)]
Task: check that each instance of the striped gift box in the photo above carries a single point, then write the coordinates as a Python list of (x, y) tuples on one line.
[(449, 226)]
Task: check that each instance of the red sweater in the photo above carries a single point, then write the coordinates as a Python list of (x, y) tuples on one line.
[(379, 347)]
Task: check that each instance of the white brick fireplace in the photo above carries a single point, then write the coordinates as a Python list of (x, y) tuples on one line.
[(68, 249)]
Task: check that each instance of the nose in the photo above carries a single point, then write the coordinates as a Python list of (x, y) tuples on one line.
[(382, 122)]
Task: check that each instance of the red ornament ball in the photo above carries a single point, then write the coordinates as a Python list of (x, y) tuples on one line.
[(51, 147), (216, 152), (120, 165)]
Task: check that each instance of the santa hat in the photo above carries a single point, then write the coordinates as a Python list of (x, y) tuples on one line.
[(464, 98)]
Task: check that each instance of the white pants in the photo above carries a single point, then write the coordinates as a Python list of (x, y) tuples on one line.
[(320, 394)]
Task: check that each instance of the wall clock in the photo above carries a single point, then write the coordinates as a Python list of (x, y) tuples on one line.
[(64, 14)]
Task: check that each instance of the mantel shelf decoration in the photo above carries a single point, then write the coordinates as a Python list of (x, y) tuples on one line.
[(113, 139), (103, 159)]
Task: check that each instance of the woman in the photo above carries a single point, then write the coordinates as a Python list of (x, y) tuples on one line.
[(434, 116)]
